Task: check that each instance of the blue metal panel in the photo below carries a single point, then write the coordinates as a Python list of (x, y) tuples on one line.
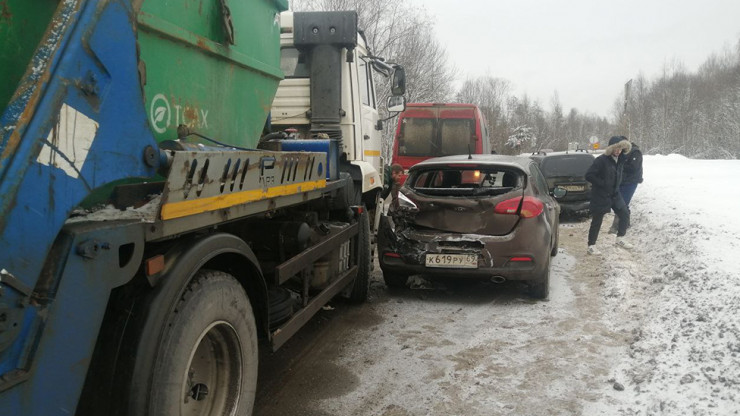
[(328, 146), (63, 335), (94, 71), (87, 66)]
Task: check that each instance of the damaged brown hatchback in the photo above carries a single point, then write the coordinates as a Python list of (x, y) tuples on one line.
[(479, 217)]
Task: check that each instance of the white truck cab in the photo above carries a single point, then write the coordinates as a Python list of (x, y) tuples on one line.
[(343, 93)]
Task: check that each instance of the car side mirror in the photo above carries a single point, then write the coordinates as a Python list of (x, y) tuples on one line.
[(398, 83), (396, 103), (559, 192)]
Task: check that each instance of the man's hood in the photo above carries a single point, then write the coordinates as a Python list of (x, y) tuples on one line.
[(624, 145)]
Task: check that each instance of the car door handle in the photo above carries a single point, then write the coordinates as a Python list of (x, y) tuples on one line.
[(366, 137)]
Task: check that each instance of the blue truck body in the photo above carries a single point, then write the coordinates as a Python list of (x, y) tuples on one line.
[(53, 333), (113, 226)]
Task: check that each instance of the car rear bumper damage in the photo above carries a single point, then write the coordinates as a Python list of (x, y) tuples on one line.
[(403, 251)]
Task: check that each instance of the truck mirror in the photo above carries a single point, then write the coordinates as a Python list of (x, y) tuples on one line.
[(398, 86), (396, 103)]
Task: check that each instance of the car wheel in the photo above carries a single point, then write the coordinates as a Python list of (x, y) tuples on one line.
[(394, 280), (539, 288), (362, 281)]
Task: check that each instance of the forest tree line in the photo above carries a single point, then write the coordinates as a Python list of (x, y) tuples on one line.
[(677, 111)]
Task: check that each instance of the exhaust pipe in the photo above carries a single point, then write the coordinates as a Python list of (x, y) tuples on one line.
[(498, 279)]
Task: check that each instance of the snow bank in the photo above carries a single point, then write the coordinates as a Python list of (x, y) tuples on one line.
[(685, 356)]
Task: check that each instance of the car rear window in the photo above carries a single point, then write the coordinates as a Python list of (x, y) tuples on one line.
[(566, 165), (465, 181)]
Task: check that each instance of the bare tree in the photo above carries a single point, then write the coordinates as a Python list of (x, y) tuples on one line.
[(490, 95), (556, 123), (403, 35), (697, 115)]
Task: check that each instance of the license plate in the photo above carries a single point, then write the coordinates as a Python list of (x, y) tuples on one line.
[(453, 261), (574, 188)]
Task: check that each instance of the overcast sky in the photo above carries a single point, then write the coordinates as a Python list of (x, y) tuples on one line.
[(584, 49)]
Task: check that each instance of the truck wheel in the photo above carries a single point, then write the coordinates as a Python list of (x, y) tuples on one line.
[(348, 196), (357, 193), (362, 281), (539, 288), (206, 361)]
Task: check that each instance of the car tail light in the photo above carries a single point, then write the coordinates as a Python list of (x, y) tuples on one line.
[(521, 259), (531, 207), (394, 255)]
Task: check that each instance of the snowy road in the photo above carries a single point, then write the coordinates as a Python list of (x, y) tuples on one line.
[(654, 331)]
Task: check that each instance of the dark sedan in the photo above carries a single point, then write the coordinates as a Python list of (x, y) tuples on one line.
[(485, 217), (567, 170)]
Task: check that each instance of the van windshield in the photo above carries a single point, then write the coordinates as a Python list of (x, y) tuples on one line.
[(436, 137), (456, 135)]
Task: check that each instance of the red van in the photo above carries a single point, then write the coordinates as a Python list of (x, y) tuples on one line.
[(427, 130)]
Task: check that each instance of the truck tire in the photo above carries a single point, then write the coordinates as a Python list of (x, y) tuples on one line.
[(349, 195), (206, 360), (361, 285), (539, 288), (357, 193)]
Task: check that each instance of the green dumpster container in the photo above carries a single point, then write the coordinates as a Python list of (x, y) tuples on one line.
[(194, 75), (22, 24), (212, 68)]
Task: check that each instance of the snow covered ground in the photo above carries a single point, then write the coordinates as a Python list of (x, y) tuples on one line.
[(685, 356), (654, 331)]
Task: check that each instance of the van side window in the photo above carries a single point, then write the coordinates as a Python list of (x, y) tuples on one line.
[(486, 136)]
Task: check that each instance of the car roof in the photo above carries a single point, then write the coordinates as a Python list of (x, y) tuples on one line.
[(561, 153), (498, 160)]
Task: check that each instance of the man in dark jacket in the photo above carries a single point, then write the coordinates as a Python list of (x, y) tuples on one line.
[(631, 177), (392, 184), (605, 175)]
